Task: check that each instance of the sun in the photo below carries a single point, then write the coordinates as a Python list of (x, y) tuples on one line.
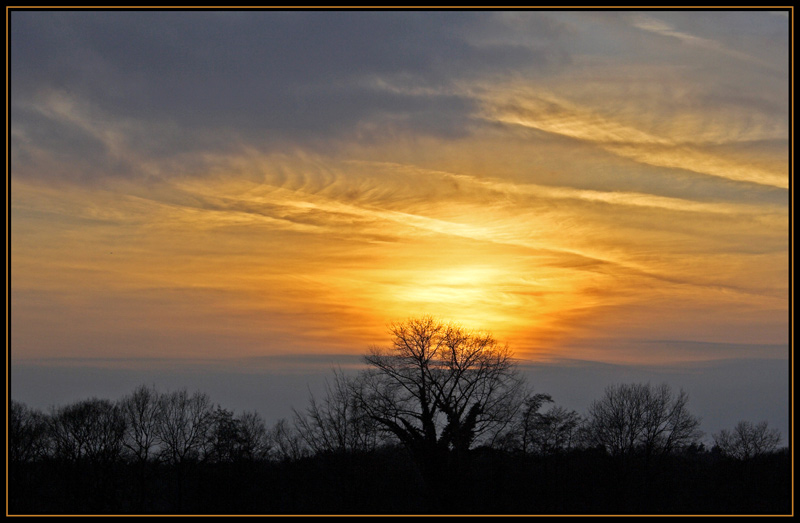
[(466, 284), (468, 294)]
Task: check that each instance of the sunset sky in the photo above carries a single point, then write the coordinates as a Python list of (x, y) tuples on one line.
[(262, 193)]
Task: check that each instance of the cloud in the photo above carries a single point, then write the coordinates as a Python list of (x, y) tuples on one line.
[(551, 114), (721, 392), (160, 83), (654, 25), (256, 182), (754, 37)]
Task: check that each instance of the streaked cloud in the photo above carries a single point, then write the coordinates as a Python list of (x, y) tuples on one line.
[(278, 183), (549, 114), (654, 25)]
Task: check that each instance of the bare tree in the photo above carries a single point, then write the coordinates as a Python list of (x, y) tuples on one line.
[(747, 440), (141, 412), (541, 433), (556, 430), (638, 417), (518, 435), (183, 423), (91, 430), (224, 437), (286, 442), (28, 438), (439, 387), (253, 436), (337, 423)]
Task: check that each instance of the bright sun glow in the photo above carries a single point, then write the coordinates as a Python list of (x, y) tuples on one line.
[(466, 286)]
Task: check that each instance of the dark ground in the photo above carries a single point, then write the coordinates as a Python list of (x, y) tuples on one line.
[(387, 482)]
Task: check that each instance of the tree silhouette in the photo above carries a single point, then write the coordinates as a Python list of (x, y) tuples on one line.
[(541, 433), (91, 430), (439, 387), (28, 437), (637, 417), (224, 443), (183, 424), (337, 423), (254, 441), (747, 440), (286, 442), (140, 410), (74, 461)]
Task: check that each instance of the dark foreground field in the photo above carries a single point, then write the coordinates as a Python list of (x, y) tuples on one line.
[(387, 482)]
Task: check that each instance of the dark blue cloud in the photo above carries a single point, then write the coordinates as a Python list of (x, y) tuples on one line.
[(197, 80), (721, 392)]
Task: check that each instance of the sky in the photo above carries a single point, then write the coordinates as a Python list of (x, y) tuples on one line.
[(240, 200)]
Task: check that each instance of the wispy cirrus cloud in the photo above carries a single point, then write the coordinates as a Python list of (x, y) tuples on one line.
[(291, 181), (553, 115), (657, 26)]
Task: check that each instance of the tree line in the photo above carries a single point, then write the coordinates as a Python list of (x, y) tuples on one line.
[(442, 396)]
